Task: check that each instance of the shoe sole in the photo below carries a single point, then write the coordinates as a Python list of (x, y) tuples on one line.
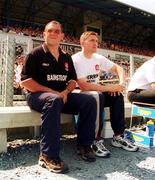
[(43, 165), (100, 156), (115, 145), (131, 150), (119, 146), (86, 159)]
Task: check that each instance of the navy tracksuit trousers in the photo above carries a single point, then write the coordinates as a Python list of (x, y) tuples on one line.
[(51, 106), (142, 95), (116, 104)]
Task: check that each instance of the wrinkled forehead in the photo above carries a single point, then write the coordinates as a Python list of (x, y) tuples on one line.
[(53, 25)]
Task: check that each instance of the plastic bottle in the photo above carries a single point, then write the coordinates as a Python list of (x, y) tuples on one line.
[(150, 131), (150, 128)]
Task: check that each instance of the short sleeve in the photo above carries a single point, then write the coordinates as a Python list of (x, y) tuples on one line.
[(30, 68), (72, 73), (106, 64)]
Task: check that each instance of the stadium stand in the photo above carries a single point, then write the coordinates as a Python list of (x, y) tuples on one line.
[(123, 28), (73, 40)]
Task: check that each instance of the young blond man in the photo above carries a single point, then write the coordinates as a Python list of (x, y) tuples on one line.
[(89, 65)]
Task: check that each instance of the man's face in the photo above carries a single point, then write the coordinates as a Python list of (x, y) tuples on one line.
[(53, 34), (90, 44)]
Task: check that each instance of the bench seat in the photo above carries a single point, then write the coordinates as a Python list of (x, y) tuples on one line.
[(23, 116)]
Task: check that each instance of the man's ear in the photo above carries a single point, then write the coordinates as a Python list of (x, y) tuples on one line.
[(62, 36), (82, 43), (43, 34)]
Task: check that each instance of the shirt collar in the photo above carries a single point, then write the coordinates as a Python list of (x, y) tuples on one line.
[(46, 50)]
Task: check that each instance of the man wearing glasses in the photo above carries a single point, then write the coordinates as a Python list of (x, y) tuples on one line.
[(49, 77)]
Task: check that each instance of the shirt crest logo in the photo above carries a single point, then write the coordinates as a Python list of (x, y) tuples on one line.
[(97, 67), (45, 64), (66, 66)]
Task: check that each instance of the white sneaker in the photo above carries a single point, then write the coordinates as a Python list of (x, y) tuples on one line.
[(99, 148), (120, 141)]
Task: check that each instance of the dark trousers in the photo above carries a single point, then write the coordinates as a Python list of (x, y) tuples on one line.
[(144, 96), (116, 104), (50, 106)]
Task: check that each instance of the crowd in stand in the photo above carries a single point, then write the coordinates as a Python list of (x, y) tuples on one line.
[(126, 48), (37, 32), (26, 31)]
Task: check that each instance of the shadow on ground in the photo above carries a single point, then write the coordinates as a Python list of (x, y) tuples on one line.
[(22, 157)]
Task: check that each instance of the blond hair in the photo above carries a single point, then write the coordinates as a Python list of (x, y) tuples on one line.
[(86, 35)]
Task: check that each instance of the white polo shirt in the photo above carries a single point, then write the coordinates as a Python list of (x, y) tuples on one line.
[(144, 76), (92, 67)]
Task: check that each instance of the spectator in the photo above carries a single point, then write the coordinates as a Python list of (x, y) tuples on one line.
[(17, 77)]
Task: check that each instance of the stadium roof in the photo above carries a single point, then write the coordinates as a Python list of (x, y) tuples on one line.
[(121, 23), (148, 6), (29, 10), (115, 9)]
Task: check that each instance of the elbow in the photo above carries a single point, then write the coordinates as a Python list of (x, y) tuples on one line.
[(84, 86), (83, 89), (22, 84), (153, 86), (119, 68), (25, 84)]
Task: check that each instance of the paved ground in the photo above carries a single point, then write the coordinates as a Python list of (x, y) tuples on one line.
[(21, 163)]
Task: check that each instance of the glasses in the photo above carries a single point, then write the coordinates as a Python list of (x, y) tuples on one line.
[(55, 31)]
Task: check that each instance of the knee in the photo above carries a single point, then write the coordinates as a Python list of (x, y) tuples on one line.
[(120, 99), (92, 101), (101, 99), (130, 97), (55, 101)]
